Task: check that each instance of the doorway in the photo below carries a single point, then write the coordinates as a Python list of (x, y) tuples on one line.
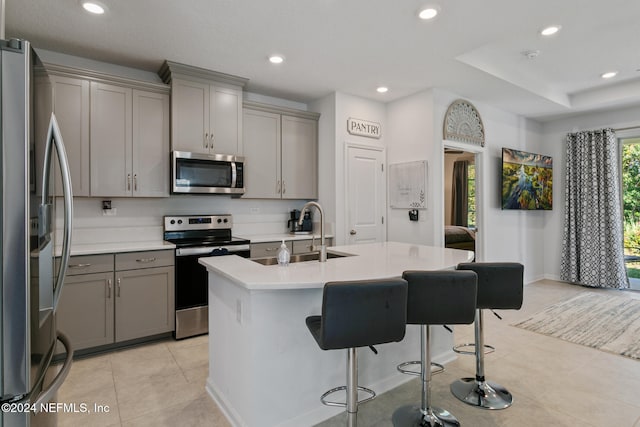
[(461, 204), (630, 148), (365, 194)]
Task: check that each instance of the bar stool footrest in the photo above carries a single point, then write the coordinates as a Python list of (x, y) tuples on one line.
[(344, 404), (402, 368), (488, 349)]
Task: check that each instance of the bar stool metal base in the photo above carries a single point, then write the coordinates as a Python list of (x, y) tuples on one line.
[(483, 394), (413, 416)]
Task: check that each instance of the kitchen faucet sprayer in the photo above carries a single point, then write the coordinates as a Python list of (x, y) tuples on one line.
[(323, 246)]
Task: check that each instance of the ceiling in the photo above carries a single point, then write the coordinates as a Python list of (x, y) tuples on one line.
[(472, 48)]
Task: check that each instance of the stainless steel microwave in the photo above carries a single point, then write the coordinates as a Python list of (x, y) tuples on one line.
[(207, 173)]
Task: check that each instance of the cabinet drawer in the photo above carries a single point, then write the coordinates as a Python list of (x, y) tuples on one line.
[(146, 259), (304, 246), (259, 250), (86, 264)]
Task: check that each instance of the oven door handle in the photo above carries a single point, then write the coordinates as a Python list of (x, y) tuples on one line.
[(203, 251)]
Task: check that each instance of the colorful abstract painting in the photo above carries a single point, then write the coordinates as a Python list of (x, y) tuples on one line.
[(527, 180)]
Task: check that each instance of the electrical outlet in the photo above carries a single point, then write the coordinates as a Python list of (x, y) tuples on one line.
[(109, 212)]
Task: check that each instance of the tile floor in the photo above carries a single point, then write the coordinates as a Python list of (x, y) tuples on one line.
[(553, 382)]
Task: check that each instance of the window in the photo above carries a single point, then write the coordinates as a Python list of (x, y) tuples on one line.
[(631, 207), (471, 195)]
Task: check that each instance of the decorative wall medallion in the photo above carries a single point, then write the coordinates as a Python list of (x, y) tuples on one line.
[(463, 123)]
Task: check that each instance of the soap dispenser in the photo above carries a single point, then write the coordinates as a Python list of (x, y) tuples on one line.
[(283, 255)]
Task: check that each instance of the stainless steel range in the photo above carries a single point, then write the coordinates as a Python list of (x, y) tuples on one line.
[(198, 236)]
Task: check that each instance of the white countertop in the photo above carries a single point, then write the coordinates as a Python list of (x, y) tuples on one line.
[(262, 238), (369, 261), (113, 247)]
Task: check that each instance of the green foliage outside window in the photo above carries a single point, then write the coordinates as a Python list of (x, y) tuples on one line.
[(631, 203)]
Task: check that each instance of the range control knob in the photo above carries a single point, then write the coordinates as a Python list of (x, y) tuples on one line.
[(225, 220), (179, 221), (173, 221), (219, 220)]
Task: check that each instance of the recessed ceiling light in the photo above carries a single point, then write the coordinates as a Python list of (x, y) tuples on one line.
[(428, 12), (276, 59), (382, 89), (550, 30), (609, 75), (93, 7)]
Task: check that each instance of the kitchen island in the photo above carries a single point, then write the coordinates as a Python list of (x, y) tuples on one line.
[(265, 369)]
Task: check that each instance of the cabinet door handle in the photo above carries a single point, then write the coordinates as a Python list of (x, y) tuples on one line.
[(109, 284), (143, 260), (79, 265), (128, 182), (270, 249), (284, 188), (352, 232), (278, 187), (118, 282), (135, 182), (212, 139), (206, 140)]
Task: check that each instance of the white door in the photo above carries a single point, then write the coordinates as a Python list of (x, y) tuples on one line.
[(365, 195)]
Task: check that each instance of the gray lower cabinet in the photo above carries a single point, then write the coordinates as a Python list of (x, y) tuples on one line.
[(306, 245), (85, 311), (111, 298), (268, 249), (144, 303), (86, 308)]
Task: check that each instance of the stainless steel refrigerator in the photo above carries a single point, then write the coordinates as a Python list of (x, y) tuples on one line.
[(31, 279)]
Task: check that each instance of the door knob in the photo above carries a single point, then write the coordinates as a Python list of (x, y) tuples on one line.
[(352, 232)]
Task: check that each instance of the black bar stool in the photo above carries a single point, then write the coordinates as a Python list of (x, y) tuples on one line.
[(500, 286), (358, 314), (435, 298)]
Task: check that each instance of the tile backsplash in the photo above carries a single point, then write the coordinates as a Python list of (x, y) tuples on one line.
[(138, 219)]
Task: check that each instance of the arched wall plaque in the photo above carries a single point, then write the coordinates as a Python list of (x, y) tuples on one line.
[(462, 123)]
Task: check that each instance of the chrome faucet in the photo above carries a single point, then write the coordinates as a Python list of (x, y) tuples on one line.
[(323, 246)]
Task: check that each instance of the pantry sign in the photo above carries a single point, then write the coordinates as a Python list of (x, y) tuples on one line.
[(364, 128)]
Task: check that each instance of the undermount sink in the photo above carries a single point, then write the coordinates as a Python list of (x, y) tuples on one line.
[(312, 256)]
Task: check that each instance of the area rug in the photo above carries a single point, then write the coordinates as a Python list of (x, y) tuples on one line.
[(600, 320)]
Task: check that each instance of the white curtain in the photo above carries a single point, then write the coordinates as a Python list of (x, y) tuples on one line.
[(593, 253)]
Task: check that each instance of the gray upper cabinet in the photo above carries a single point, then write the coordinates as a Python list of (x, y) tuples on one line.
[(150, 151), (207, 118), (115, 130), (206, 109), (299, 158), (68, 98), (262, 135), (281, 152), (129, 142), (111, 140)]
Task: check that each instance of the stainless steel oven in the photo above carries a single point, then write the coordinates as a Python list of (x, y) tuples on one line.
[(195, 237)]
